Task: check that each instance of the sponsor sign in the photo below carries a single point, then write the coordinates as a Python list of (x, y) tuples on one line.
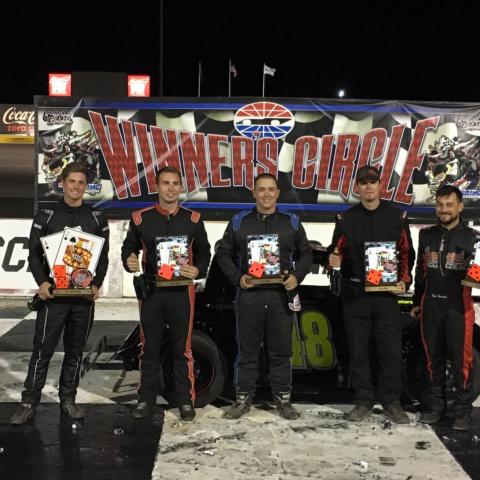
[(17, 123)]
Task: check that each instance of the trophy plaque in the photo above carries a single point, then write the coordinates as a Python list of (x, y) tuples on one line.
[(172, 255), (75, 262), (264, 259), (472, 277), (381, 267)]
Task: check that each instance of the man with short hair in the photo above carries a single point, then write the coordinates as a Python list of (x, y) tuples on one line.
[(171, 305), (372, 314), (262, 311), (73, 315), (445, 306)]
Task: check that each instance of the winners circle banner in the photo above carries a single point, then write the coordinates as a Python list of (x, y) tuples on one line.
[(313, 147)]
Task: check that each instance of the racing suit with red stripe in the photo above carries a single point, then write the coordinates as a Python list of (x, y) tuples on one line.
[(171, 307), (372, 314), (447, 315)]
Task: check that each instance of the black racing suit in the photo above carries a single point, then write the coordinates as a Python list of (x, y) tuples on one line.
[(447, 315), (73, 314), (262, 312), (371, 313), (167, 306)]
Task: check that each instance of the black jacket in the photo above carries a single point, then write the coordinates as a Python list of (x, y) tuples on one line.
[(48, 221), (294, 247), (358, 225), (443, 257), (152, 222)]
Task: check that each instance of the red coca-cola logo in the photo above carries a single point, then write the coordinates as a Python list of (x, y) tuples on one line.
[(20, 117)]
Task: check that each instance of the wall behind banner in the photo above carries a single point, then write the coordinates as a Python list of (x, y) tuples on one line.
[(17, 280)]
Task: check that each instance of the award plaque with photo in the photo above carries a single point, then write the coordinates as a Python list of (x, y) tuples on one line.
[(172, 255), (472, 277), (264, 259), (75, 263), (381, 267)]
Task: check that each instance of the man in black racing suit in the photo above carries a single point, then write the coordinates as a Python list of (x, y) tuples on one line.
[(72, 314), (173, 305), (262, 312), (445, 306), (372, 314)]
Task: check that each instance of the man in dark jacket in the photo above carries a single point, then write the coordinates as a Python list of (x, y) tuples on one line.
[(172, 305), (445, 306), (373, 313), (72, 314), (262, 311)]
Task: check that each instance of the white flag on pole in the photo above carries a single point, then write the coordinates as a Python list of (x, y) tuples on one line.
[(268, 70)]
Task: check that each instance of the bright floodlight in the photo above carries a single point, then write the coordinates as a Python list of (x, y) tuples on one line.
[(341, 93)]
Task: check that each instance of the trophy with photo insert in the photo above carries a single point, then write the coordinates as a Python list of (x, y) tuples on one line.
[(73, 265), (472, 277), (172, 255), (264, 259), (381, 267)]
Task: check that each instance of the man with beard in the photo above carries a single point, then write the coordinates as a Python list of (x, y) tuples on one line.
[(445, 306)]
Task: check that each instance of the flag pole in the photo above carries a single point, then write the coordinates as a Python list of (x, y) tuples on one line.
[(199, 77), (229, 78), (263, 81)]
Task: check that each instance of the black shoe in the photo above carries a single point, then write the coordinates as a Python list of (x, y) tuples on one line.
[(240, 407), (142, 410), (430, 417), (187, 412), (358, 414), (71, 409), (284, 407), (24, 412), (462, 423), (395, 413)]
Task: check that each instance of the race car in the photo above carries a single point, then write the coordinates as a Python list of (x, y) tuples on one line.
[(320, 353)]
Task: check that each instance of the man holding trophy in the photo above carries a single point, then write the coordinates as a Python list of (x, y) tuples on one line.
[(175, 252), (69, 275), (265, 252), (372, 246), (448, 265)]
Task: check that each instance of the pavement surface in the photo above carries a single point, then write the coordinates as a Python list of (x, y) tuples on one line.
[(109, 444)]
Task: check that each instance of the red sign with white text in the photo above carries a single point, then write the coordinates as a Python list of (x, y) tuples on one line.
[(139, 85), (59, 84)]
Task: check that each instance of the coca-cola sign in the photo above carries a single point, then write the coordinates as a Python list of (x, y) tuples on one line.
[(17, 120)]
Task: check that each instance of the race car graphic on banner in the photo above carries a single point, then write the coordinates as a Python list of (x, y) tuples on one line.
[(313, 147)]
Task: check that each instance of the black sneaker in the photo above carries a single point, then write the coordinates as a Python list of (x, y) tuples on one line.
[(71, 409), (430, 417), (284, 407), (240, 407), (358, 413), (187, 412), (395, 413), (24, 412), (142, 410), (462, 423)]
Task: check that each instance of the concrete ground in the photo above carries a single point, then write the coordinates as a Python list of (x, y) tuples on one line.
[(261, 445)]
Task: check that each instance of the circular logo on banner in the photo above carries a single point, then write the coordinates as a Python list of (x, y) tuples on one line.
[(81, 278), (263, 120)]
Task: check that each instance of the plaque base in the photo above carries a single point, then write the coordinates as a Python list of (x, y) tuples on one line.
[(73, 292), (470, 283), (181, 282), (266, 281), (382, 288)]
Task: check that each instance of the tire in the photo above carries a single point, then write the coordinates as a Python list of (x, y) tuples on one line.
[(416, 378), (209, 367)]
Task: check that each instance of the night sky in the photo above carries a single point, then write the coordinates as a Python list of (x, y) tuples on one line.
[(423, 50)]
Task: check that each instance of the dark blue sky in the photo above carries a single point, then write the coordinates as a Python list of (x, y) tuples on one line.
[(423, 50)]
